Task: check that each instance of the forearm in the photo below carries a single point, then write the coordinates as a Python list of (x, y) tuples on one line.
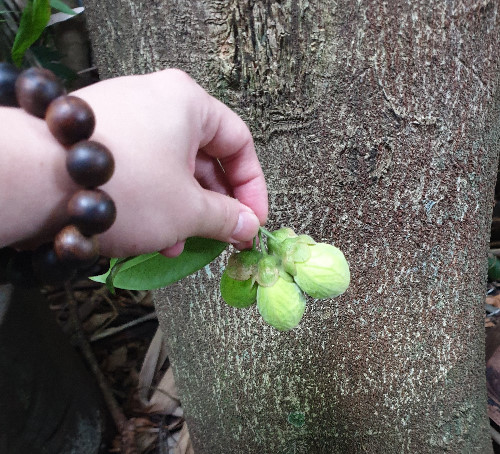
[(169, 139), (34, 183)]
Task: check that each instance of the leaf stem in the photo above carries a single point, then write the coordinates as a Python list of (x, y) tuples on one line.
[(263, 246), (114, 271), (267, 233)]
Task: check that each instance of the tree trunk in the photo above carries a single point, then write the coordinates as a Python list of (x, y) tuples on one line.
[(377, 127)]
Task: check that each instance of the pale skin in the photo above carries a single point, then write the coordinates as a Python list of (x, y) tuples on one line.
[(185, 165)]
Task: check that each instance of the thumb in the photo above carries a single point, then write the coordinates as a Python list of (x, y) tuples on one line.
[(224, 218)]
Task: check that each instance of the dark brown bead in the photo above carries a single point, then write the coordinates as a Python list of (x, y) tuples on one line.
[(36, 88), (48, 268), (70, 119), (90, 163), (73, 247), (8, 76), (93, 211)]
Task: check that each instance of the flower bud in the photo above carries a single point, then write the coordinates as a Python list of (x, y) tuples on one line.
[(290, 248), (243, 265), (281, 305), (238, 293), (278, 237), (325, 274)]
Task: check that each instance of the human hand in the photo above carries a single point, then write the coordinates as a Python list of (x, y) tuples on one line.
[(166, 134)]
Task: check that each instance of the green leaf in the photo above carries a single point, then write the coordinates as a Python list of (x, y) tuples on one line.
[(493, 268), (61, 6), (151, 271), (49, 58), (34, 19), (115, 265)]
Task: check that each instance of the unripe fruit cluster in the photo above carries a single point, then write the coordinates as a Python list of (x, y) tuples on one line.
[(277, 278)]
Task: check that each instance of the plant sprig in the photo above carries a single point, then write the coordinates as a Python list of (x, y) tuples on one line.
[(152, 271)]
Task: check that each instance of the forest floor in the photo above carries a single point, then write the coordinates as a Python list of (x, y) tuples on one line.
[(137, 381)]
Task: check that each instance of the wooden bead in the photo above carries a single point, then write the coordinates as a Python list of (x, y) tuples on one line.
[(71, 246), (48, 268), (8, 76), (90, 163), (93, 211), (70, 119), (36, 88)]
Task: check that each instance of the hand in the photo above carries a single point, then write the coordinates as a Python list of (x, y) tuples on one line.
[(180, 158)]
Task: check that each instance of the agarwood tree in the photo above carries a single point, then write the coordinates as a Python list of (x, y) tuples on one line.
[(377, 125)]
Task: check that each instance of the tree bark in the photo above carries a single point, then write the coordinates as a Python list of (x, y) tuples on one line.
[(377, 126)]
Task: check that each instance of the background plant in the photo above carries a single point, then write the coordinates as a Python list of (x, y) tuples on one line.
[(28, 36)]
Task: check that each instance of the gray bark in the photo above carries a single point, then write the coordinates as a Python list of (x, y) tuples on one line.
[(377, 127)]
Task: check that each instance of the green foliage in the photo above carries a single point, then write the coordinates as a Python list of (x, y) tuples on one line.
[(151, 271), (493, 268), (49, 58), (34, 19), (61, 6), (3, 10)]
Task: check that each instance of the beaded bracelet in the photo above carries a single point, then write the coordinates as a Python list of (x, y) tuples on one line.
[(90, 164)]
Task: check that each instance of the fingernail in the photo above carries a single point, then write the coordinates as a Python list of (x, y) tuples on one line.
[(246, 228)]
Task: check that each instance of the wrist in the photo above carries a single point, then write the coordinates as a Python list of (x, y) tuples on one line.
[(90, 211), (35, 183)]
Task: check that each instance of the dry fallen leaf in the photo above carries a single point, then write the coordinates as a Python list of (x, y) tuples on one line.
[(164, 399), (154, 359), (494, 300), (116, 359), (183, 443), (98, 321)]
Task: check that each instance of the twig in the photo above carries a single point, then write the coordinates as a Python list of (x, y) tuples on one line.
[(142, 295), (125, 427), (87, 70), (492, 310), (111, 331), (495, 435)]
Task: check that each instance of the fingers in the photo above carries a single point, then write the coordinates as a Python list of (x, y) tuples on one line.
[(223, 218), (226, 137), (175, 250), (209, 173)]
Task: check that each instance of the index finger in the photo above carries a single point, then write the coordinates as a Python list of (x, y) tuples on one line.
[(227, 138)]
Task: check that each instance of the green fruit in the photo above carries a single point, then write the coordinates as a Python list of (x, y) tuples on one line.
[(238, 293), (325, 274), (281, 305)]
